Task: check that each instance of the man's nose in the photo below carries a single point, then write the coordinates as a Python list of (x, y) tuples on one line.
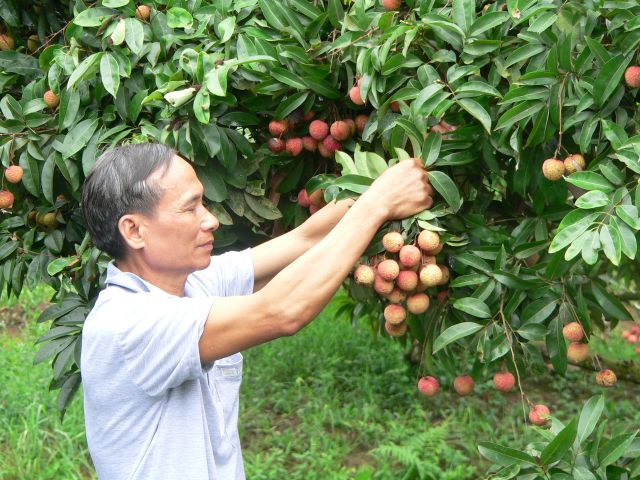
[(210, 221)]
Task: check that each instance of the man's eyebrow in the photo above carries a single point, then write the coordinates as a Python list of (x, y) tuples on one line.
[(196, 197)]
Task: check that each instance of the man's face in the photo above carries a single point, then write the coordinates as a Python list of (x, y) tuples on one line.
[(178, 237)]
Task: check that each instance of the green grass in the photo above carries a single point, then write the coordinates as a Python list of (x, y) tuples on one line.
[(330, 402)]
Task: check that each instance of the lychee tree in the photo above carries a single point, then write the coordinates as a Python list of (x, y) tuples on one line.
[(524, 113)]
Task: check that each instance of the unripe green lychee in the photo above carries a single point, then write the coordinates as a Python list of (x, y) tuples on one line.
[(392, 242), (361, 122), (331, 144), (388, 269), (463, 385), (318, 129), (382, 286), (632, 76), (504, 381), (539, 415), (553, 169), (7, 42), (418, 303), (395, 314), (396, 296), (395, 330), (573, 332), (13, 174), (6, 199), (577, 352), (49, 220), (277, 128), (430, 275), (51, 99), (276, 145), (294, 146), (407, 280), (33, 42), (364, 275), (340, 130), (309, 143), (428, 386), (303, 199), (410, 256), (428, 240), (354, 95), (574, 163), (606, 378), (391, 4)]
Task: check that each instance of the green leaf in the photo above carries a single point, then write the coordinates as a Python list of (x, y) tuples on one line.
[(477, 111), (77, 138), (93, 17), (627, 238), (560, 445), (217, 81), (354, 183), (589, 416), (336, 13), (201, 104), (455, 332), (225, 29), (445, 187), (615, 448), (179, 18), (570, 232), (57, 265), (523, 53), (614, 133), (609, 78), (487, 21), (87, 68), (519, 112), (263, 207), (542, 22), (475, 86), (288, 78), (608, 303), (504, 456), (590, 181), (431, 148), (473, 306), (69, 106), (134, 35), (464, 12), (472, 279), (610, 241), (556, 346), (289, 105), (593, 199), (110, 74), (346, 163), (629, 215)]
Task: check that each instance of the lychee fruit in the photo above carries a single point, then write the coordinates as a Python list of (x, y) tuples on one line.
[(539, 415), (606, 378), (13, 174), (463, 385), (395, 330), (307, 117), (6, 199), (51, 99), (354, 95), (340, 130), (309, 143), (573, 332), (391, 4), (396, 296), (553, 169), (313, 209), (394, 106), (577, 352), (382, 286), (276, 145), (352, 126), (428, 240), (407, 280), (392, 242), (143, 12), (395, 314), (364, 275), (388, 269), (443, 295), (631, 76), (428, 386), (429, 260), (7, 42), (410, 256), (277, 128), (638, 350), (504, 381), (318, 129), (331, 144), (361, 122), (574, 163), (294, 146), (445, 275), (50, 220), (303, 199), (33, 42), (317, 198), (418, 303), (632, 338), (324, 151), (430, 275)]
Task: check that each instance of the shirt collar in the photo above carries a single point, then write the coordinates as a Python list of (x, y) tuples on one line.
[(130, 281)]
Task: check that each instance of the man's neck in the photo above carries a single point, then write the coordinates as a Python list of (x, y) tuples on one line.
[(171, 282)]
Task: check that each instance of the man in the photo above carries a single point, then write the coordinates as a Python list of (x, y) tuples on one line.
[(160, 363)]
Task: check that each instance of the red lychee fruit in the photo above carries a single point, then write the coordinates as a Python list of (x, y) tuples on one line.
[(625, 334), (428, 386), (395, 314), (13, 174), (539, 415), (354, 95), (574, 163), (553, 169), (364, 275), (445, 275), (317, 198), (394, 106), (361, 122), (573, 332), (443, 295), (51, 99), (430, 275), (324, 151), (143, 12), (391, 4), (577, 352), (396, 296), (448, 127), (392, 242), (395, 330), (318, 129), (313, 209), (6, 199), (428, 240), (7, 42), (309, 143), (606, 378), (388, 269), (382, 286), (504, 381), (632, 338), (294, 146), (276, 145), (638, 350), (631, 76), (303, 199), (340, 130), (331, 144), (429, 260), (407, 280), (307, 117), (418, 303), (352, 126), (277, 128), (463, 385), (410, 256)]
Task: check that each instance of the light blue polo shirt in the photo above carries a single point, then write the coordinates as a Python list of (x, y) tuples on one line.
[(152, 410)]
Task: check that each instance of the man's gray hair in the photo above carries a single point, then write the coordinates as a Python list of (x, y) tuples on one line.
[(119, 184)]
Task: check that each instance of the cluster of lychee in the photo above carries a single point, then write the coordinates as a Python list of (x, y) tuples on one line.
[(13, 174), (554, 169), (313, 202), (578, 352), (632, 335)]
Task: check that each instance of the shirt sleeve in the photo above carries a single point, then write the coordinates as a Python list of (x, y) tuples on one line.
[(229, 274), (159, 340)]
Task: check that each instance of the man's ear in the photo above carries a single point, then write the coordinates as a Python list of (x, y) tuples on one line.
[(131, 229)]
